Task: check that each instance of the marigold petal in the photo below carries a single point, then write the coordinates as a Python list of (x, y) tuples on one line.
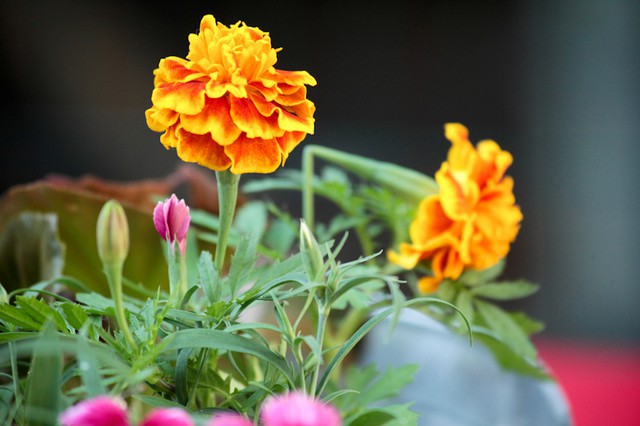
[(215, 119), (297, 118), (185, 98), (175, 70), (407, 258), (203, 150), (288, 142), (456, 132), (293, 78), (459, 194), (494, 161), (428, 285), (430, 221), (170, 138), (159, 120), (254, 155), (246, 116)]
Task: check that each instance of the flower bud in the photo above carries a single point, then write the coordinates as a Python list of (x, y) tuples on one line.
[(311, 254), (171, 219), (4, 297), (112, 233)]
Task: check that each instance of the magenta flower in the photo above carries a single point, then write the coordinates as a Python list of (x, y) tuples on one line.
[(99, 411), (229, 419), (167, 416), (172, 219), (298, 409)]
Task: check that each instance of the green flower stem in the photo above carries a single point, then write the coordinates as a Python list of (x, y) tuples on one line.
[(177, 275), (323, 316), (227, 197), (113, 271)]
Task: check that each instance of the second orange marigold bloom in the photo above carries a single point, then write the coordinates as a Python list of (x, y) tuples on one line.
[(225, 106), (472, 221)]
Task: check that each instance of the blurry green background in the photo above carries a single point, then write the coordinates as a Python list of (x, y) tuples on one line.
[(556, 83)]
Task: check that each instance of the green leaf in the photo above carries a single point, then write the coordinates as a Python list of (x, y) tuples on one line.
[(280, 236), (76, 316), (506, 290), (526, 323), (474, 277), (464, 302), (40, 311), (242, 263), (507, 358), (507, 329), (251, 219), (43, 387), (17, 317), (223, 341), (375, 387), (208, 277)]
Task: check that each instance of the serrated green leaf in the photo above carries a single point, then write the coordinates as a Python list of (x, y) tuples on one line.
[(506, 290), (74, 314), (506, 328), (40, 311), (17, 317)]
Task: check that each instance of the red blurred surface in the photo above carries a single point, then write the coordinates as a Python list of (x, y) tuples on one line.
[(601, 381)]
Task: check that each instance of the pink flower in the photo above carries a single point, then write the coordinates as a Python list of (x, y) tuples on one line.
[(99, 411), (298, 409), (229, 419), (167, 416), (172, 219)]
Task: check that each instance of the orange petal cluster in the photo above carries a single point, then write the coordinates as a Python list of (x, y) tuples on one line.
[(473, 219), (225, 106)]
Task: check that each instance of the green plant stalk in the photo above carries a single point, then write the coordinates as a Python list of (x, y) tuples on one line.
[(323, 316), (227, 198), (177, 276), (113, 271)]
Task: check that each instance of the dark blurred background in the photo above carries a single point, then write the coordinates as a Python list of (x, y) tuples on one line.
[(556, 83)]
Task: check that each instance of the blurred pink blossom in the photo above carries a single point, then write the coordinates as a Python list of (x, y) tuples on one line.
[(229, 419), (172, 219), (298, 409), (99, 411), (167, 416)]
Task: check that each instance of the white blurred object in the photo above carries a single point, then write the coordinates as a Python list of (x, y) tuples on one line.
[(459, 385)]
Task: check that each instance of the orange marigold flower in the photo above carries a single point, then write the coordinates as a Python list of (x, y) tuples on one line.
[(472, 221), (226, 106)]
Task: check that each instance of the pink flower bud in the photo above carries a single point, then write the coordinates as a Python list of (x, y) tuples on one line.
[(229, 419), (172, 219), (167, 416), (298, 409), (98, 411)]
